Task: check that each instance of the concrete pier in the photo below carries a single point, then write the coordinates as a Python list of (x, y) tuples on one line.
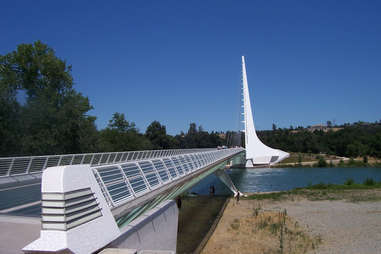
[(154, 230)]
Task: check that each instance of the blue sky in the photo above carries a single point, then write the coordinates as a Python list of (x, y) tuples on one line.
[(179, 61)]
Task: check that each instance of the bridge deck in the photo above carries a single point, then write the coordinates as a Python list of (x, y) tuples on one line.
[(137, 182), (120, 183)]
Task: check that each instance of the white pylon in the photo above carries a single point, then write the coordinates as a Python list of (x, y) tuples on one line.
[(257, 153)]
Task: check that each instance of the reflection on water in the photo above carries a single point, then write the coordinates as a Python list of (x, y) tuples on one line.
[(277, 179)]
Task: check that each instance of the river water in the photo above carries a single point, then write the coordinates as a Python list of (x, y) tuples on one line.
[(279, 179)]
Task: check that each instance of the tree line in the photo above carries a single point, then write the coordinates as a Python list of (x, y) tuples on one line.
[(42, 113), (348, 140)]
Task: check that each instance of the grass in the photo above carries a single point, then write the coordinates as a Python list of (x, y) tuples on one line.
[(272, 195)]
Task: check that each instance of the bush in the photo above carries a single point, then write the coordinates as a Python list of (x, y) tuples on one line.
[(322, 163), (369, 181), (351, 162), (319, 186), (349, 181)]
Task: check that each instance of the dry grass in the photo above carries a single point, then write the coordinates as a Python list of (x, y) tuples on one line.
[(306, 157), (247, 228)]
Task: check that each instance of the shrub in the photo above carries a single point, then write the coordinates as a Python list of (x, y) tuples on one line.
[(319, 186), (322, 163), (349, 181), (369, 181), (351, 162)]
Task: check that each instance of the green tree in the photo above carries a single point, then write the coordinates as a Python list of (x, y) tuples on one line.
[(9, 109), (121, 135), (53, 115), (191, 137), (157, 134), (120, 123)]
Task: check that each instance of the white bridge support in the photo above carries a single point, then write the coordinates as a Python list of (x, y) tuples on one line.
[(93, 229), (75, 217), (257, 153), (155, 230), (225, 178)]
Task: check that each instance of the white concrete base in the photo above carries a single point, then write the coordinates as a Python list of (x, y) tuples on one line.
[(87, 237), (154, 230)]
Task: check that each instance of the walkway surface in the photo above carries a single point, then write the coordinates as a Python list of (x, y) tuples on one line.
[(17, 232), (21, 199), (20, 209)]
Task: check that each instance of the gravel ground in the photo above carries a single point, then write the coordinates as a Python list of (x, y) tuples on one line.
[(343, 226)]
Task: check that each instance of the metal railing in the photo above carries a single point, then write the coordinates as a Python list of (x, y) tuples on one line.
[(15, 166), (123, 182)]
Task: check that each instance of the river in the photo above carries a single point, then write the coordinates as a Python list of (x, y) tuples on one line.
[(280, 179)]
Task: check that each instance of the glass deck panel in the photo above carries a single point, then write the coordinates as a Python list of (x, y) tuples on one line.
[(163, 175), (159, 165), (195, 160), (138, 184), (184, 163), (131, 169), (190, 163), (171, 168), (118, 191), (146, 166), (110, 174), (152, 179), (177, 165)]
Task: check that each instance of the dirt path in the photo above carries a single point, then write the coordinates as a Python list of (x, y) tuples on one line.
[(311, 227)]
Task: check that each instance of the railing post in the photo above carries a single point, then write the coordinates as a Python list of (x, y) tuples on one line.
[(30, 163), (10, 167)]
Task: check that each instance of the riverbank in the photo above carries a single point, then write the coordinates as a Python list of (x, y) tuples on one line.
[(325, 160), (318, 219)]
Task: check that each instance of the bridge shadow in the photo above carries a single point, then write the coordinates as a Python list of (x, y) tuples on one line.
[(197, 215)]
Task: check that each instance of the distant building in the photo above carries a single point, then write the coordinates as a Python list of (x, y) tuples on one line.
[(322, 127), (318, 127)]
